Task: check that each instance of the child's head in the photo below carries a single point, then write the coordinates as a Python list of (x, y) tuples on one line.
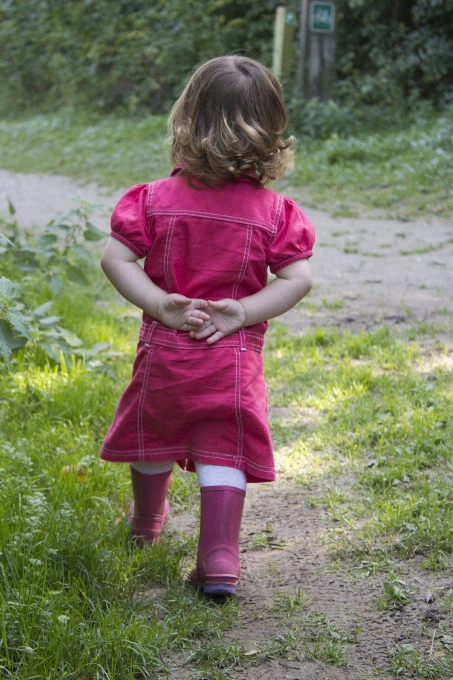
[(230, 119)]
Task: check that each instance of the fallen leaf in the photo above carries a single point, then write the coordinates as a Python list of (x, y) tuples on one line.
[(80, 470)]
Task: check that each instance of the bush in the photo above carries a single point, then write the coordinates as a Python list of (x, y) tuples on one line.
[(137, 55), (318, 120), (394, 53), (119, 54)]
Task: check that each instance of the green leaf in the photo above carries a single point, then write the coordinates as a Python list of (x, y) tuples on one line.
[(92, 233), (76, 275), (43, 309), (49, 320), (7, 289), (58, 227), (47, 239), (3, 239), (99, 347), (6, 338), (19, 322), (82, 253), (9, 341), (11, 208), (69, 337), (55, 283), (53, 348)]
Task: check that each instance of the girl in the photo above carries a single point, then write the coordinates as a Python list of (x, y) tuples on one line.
[(208, 234)]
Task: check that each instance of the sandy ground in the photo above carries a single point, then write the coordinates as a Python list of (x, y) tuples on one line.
[(367, 273)]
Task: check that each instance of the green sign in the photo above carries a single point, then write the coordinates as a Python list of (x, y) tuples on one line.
[(322, 17)]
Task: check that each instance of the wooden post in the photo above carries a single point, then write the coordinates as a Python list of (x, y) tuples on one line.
[(285, 25), (288, 44), (279, 39), (317, 50)]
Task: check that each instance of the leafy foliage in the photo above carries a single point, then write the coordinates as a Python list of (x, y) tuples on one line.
[(395, 51), (112, 54), (115, 53), (14, 327), (47, 262)]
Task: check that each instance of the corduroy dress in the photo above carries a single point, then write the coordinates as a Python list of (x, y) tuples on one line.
[(188, 401)]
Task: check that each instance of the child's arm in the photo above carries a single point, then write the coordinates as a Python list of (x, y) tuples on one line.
[(173, 310), (227, 316)]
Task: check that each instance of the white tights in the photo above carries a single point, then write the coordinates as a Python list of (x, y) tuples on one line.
[(208, 475)]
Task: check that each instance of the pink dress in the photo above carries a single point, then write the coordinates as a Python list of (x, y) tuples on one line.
[(188, 401)]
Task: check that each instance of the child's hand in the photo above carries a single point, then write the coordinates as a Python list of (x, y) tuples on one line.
[(226, 317), (182, 313)]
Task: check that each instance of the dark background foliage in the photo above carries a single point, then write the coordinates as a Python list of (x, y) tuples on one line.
[(395, 51), (137, 54)]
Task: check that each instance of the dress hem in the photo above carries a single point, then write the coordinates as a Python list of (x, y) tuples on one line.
[(253, 473)]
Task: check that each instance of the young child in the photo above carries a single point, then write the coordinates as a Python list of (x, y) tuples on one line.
[(208, 234)]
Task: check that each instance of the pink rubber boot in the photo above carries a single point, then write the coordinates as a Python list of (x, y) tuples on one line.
[(150, 508), (218, 568)]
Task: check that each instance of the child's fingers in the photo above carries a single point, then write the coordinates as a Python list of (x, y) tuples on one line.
[(180, 300), (203, 333), (219, 305), (200, 304), (218, 335), (198, 314), (192, 324)]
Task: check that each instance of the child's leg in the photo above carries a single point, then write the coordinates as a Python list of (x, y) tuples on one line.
[(222, 502), (217, 475), (150, 508)]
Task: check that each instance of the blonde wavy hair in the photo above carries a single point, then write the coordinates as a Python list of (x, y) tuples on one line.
[(230, 122)]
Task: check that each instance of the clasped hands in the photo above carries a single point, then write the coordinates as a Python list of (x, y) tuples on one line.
[(203, 319)]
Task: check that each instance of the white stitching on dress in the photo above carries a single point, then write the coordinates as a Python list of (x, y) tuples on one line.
[(237, 406), (277, 219), (149, 210), (184, 451), (167, 253), (215, 216), (141, 401), (245, 260)]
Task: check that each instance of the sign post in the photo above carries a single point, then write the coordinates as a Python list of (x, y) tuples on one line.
[(317, 50), (285, 26)]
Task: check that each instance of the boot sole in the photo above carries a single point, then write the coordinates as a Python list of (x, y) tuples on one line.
[(220, 589), (224, 589)]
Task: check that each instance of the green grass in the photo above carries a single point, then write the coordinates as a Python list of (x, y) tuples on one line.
[(71, 586), (114, 152), (382, 408), (395, 172), (76, 600)]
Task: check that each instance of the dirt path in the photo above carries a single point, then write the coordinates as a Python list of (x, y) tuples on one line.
[(362, 278), (367, 273)]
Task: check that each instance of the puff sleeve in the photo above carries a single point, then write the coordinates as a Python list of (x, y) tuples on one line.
[(129, 222), (294, 238)]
